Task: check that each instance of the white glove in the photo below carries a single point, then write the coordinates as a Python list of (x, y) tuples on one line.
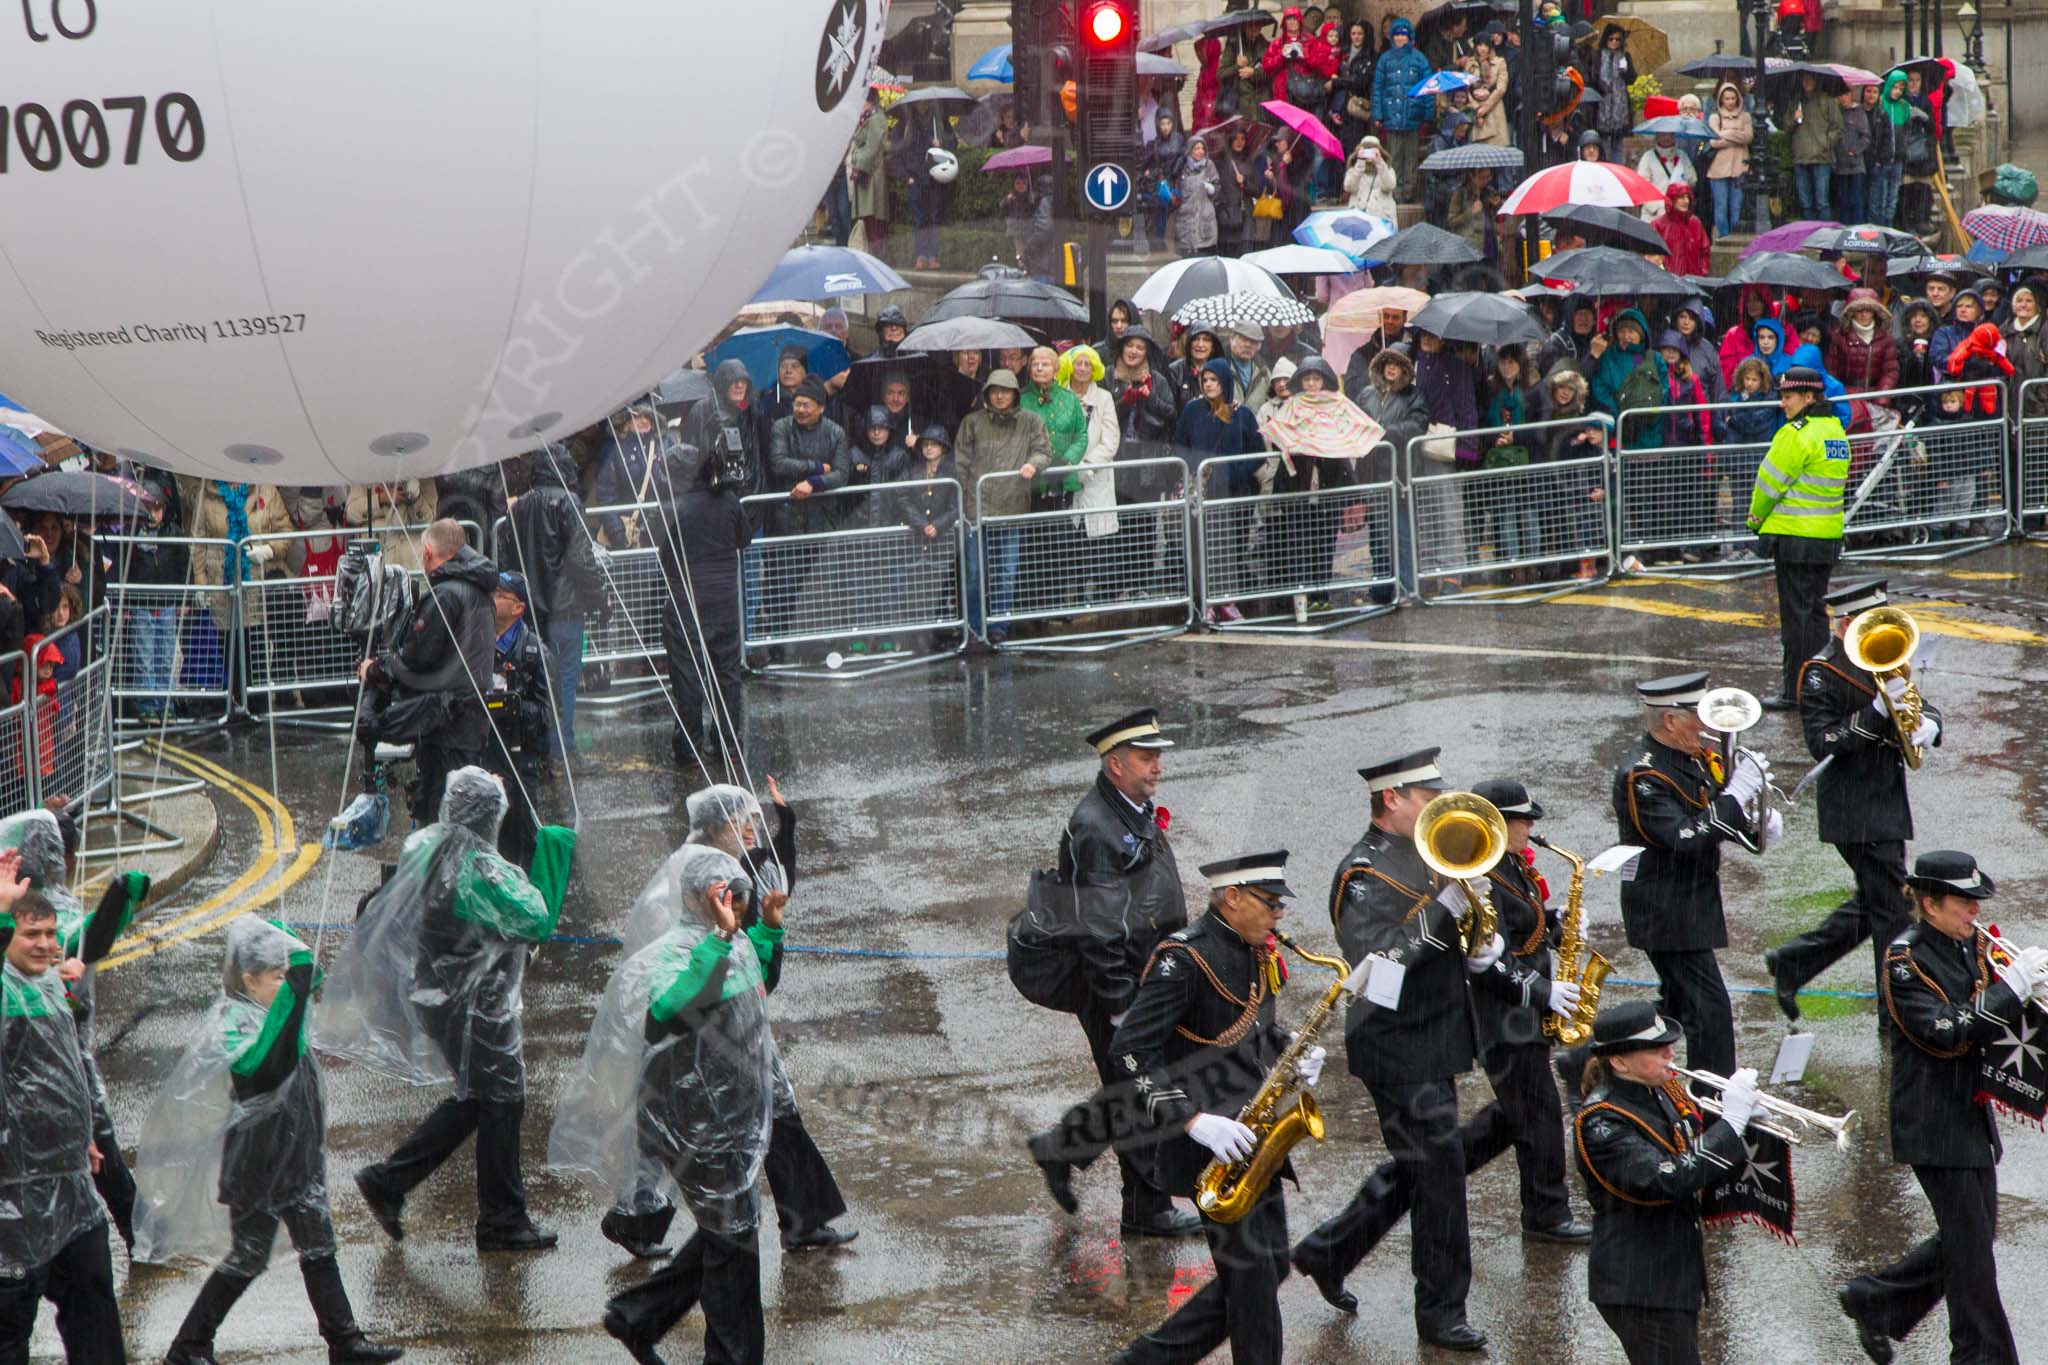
[(1774, 826), (1895, 688), (1747, 779), (1926, 732), (1740, 1099), (259, 554), (1310, 1068), (1116, 1020), (1564, 999), (1227, 1138), (1486, 956), (2028, 971)]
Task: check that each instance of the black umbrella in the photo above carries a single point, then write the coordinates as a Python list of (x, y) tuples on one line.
[(1473, 156), (1014, 300), (1719, 64), (1425, 244), (1787, 270), (1604, 226), (968, 334), (1866, 239), (1603, 272), (1202, 28), (2026, 258), (12, 546), (1484, 319), (684, 386), (1825, 80), (1922, 266), (76, 494)]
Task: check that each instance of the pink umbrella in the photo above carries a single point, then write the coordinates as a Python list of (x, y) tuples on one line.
[(1018, 158), (1854, 75), (1313, 128), (1581, 182)]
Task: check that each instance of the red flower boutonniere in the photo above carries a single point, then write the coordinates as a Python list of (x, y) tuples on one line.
[(1163, 816)]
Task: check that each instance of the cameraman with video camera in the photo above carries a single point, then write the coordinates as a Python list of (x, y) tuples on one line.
[(705, 533)]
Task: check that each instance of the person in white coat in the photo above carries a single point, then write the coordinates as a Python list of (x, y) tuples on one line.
[(1663, 163), (1082, 370), (1369, 180)]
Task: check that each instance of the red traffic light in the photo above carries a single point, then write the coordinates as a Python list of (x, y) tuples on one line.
[(1107, 24)]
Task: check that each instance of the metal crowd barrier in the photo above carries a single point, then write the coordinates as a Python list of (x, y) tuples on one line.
[(1333, 545), (1681, 506), (627, 630), (1060, 568), (842, 580), (19, 782), (2031, 476), (167, 643), (72, 734), (1519, 532)]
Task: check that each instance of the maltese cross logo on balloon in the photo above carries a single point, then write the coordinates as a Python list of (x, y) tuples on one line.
[(308, 253)]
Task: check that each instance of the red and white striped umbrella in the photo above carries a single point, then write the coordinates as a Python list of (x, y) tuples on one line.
[(1582, 182)]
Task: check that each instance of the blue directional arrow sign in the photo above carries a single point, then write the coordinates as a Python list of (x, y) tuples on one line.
[(1108, 187)]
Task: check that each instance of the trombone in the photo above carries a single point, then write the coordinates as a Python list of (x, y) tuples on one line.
[(1461, 836), (1728, 711), (1797, 1119)]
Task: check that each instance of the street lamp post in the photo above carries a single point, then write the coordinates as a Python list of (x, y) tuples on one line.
[(1971, 19), (1756, 183), (1908, 7)]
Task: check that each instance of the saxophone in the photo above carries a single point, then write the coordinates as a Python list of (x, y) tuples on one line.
[(1226, 1191), (1576, 963)]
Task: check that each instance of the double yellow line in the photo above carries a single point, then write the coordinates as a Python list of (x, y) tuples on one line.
[(246, 892)]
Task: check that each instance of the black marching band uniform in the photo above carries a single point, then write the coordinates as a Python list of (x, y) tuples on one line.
[(1647, 1155), (1671, 804), (1384, 900), (1526, 1113), (1947, 1003), (1199, 1039), (1112, 845), (1860, 803)]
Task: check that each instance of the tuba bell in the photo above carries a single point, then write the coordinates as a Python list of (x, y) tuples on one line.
[(1461, 836), (1728, 712), (1881, 642)]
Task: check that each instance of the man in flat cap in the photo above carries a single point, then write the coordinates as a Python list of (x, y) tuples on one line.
[(1198, 1042), (1860, 800), (1670, 800), (1116, 854), (1386, 901)]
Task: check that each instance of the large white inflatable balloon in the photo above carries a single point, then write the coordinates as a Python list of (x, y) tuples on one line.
[(363, 241)]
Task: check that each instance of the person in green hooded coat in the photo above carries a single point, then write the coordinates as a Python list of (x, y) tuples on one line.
[(1066, 423), (1616, 355)]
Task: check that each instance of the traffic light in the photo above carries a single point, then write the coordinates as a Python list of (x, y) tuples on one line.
[(1042, 58), (1108, 87), (1555, 86)]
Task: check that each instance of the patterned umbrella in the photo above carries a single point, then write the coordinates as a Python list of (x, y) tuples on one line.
[(1442, 83), (2008, 227), (1790, 237), (1322, 426), (1199, 277), (1866, 239), (1582, 182), (1473, 156), (1426, 244), (1310, 126), (1345, 230), (1244, 310)]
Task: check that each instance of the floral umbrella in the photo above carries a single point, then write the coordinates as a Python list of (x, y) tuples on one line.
[(1321, 426)]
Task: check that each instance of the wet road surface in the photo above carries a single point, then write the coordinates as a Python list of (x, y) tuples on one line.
[(928, 796)]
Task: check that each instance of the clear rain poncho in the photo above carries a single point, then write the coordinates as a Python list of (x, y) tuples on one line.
[(241, 1122), (46, 1113), (429, 988), (677, 1073)]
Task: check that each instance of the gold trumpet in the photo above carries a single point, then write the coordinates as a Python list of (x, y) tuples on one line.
[(1797, 1118), (1461, 836), (1881, 641)]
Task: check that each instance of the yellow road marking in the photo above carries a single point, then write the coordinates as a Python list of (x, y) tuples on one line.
[(1931, 616), (1980, 575), (272, 820)]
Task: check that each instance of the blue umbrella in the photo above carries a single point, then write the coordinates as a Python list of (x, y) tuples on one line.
[(993, 66), (828, 272), (1442, 83), (1684, 125), (6, 402), (19, 454), (1345, 230), (760, 350)]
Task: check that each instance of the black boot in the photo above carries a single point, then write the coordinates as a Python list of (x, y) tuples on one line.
[(346, 1344), (194, 1342)]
